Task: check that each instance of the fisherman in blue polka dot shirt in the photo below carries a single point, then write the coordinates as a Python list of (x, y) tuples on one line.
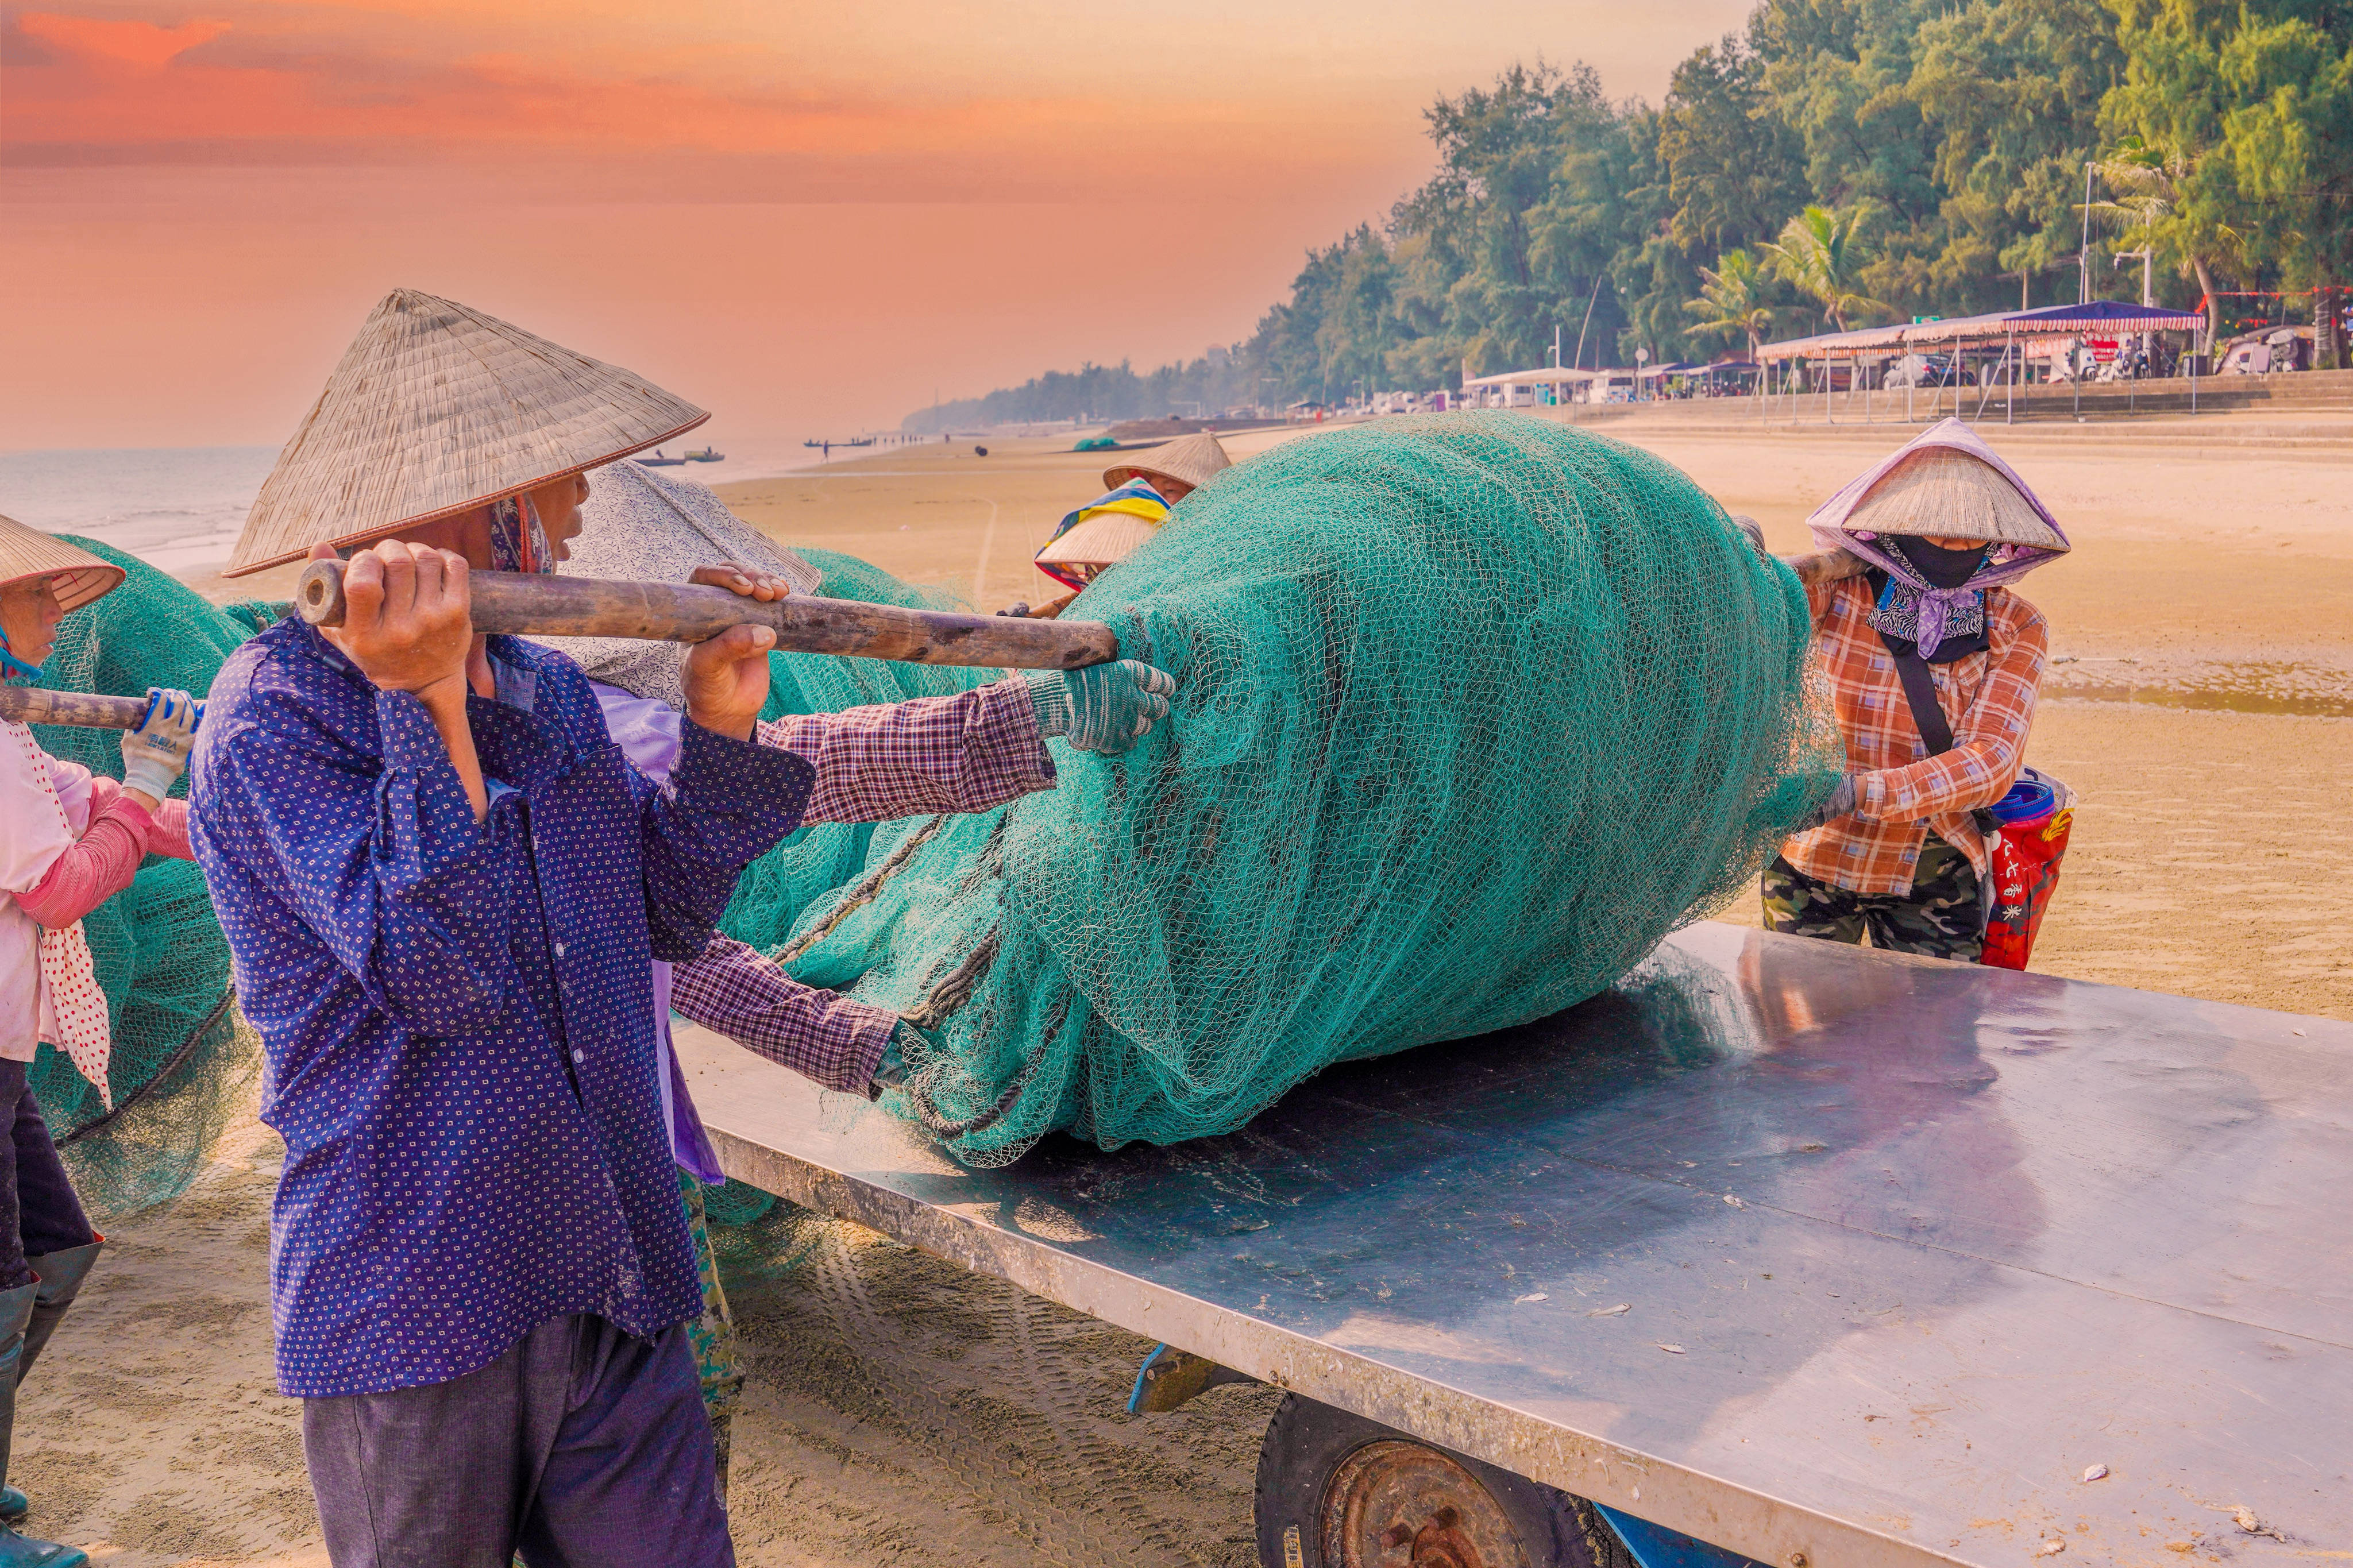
[(444, 887)]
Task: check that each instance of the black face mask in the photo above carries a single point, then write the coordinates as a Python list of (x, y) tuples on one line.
[(1939, 567)]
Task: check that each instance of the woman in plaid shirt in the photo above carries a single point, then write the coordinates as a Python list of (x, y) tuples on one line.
[(1897, 850)]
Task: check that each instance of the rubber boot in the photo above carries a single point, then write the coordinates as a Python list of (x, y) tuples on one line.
[(22, 1551), (60, 1274)]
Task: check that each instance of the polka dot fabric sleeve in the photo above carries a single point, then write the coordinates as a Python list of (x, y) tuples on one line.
[(409, 893)]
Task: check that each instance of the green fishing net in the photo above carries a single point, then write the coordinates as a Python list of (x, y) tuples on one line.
[(182, 1060), (815, 861), (1472, 710)]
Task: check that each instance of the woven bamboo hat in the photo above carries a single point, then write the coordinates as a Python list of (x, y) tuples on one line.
[(1101, 540), (1943, 490), (436, 409), (1192, 460), (26, 554)]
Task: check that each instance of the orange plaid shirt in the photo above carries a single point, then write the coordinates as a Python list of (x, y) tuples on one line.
[(1901, 792)]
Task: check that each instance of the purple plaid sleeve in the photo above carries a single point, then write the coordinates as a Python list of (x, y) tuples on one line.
[(734, 991), (968, 753)]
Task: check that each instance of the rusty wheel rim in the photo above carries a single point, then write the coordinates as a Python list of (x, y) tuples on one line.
[(1402, 1505)]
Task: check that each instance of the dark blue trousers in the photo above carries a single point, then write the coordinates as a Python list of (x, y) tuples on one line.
[(39, 1213), (580, 1447)]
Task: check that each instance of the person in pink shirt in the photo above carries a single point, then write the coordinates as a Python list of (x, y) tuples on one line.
[(69, 840)]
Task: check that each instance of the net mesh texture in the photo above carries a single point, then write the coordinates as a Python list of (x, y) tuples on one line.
[(1472, 712), (182, 1060)]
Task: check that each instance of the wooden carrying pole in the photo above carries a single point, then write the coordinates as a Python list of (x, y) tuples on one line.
[(509, 602), (522, 604), (32, 705)]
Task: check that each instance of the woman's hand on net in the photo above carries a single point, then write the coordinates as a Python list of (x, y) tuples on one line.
[(1839, 803), (1115, 705)]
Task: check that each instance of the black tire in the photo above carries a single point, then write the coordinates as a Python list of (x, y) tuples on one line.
[(1309, 1447)]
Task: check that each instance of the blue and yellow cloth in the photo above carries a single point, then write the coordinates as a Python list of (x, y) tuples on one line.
[(1136, 498)]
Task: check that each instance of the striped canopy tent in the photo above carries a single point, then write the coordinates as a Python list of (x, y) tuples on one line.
[(1831, 346), (2100, 316)]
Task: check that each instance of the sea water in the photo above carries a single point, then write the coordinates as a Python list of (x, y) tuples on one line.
[(180, 508), (176, 508)]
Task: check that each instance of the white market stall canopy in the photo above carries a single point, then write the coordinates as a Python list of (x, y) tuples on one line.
[(2100, 316), (1550, 376)]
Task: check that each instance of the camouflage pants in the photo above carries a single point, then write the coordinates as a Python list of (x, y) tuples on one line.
[(718, 1355), (1940, 918)]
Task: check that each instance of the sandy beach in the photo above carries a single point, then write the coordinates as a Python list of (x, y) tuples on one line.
[(902, 1412)]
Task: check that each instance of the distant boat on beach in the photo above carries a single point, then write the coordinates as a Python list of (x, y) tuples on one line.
[(708, 455), (658, 461)]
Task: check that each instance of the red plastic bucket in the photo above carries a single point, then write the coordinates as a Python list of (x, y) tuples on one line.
[(2029, 842)]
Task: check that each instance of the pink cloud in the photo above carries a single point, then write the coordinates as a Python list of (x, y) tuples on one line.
[(140, 46)]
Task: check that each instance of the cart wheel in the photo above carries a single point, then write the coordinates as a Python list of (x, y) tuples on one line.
[(1335, 1490)]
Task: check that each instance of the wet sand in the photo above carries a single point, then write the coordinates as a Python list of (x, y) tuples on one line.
[(902, 1412)]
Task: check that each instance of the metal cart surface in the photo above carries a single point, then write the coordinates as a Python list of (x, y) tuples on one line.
[(1825, 1256)]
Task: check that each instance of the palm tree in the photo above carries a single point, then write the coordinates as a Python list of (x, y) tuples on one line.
[(1821, 253), (1729, 303), (2147, 210)]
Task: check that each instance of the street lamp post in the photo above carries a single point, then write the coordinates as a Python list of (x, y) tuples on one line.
[(2083, 254)]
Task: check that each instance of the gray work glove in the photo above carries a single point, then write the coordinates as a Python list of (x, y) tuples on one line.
[(890, 1072), (1104, 708), (1839, 803), (156, 753)]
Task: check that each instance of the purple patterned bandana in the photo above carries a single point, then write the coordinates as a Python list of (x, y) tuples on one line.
[(518, 542)]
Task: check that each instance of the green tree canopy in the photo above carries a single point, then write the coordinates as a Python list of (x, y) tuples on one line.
[(1886, 157)]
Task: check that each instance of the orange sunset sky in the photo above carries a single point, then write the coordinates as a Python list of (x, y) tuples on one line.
[(807, 218)]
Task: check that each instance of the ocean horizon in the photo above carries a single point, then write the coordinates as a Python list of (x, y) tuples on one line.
[(180, 508)]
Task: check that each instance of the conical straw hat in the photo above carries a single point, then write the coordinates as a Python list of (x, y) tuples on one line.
[(1944, 492), (1192, 460), (1100, 541), (436, 409), (27, 554)]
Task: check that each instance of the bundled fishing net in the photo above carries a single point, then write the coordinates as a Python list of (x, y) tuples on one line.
[(1470, 712), (182, 1060)]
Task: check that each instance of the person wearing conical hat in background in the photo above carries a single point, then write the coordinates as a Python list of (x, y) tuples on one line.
[(444, 890), (1111, 527), (68, 842), (1898, 849)]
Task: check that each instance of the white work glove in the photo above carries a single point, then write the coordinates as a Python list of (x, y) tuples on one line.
[(156, 753), (1104, 708)]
